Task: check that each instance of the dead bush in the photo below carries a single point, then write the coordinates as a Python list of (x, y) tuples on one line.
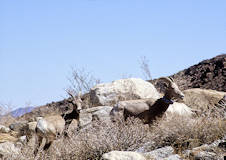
[(184, 132), (93, 142), (81, 81), (177, 131), (144, 66)]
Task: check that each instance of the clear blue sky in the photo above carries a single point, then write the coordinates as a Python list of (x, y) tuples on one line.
[(41, 39)]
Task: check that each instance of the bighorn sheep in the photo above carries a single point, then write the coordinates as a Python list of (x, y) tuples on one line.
[(149, 109), (74, 115), (50, 127), (77, 106)]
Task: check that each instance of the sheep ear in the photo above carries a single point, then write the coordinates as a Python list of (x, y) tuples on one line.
[(69, 93)]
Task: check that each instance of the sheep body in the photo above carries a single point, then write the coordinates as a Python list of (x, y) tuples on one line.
[(50, 126), (149, 109), (48, 129)]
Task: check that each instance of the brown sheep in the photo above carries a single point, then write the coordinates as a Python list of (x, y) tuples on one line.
[(77, 107), (149, 109)]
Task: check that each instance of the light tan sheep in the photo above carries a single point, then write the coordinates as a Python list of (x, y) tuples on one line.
[(47, 130)]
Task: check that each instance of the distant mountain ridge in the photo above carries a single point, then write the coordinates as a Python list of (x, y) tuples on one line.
[(21, 111)]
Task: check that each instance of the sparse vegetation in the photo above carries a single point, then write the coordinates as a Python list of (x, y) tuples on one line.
[(144, 65), (176, 131), (91, 142), (81, 80)]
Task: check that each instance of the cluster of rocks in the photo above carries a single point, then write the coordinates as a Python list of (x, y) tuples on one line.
[(8, 141), (204, 152), (208, 74)]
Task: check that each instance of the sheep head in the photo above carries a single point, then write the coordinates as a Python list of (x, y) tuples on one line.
[(172, 90), (76, 101)]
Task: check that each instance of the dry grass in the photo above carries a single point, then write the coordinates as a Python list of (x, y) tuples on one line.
[(186, 133), (93, 142)]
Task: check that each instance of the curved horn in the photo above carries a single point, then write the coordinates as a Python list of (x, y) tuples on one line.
[(171, 79), (166, 79), (69, 93)]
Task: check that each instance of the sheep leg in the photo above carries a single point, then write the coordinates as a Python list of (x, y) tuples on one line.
[(47, 145), (39, 139), (126, 114), (41, 143)]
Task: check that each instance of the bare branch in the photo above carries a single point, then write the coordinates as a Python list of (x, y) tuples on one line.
[(144, 65), (81, 81)]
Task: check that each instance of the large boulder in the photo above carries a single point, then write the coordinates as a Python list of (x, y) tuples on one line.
[(101, 113), (124, 89), (123, 155), (180, 109), (202, 98), (166, 153)]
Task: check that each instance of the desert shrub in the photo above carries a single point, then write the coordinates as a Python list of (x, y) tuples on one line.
[(185, 132), (102, 137), (92, 142)]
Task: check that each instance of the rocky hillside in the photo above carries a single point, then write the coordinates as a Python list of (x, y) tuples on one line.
[(50, 108), (192, 129), (208, 74)]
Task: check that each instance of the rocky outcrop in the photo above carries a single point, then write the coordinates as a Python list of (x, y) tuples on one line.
[(202, 98), (107, 94), (208, 74), (163, 153), (101, 113), (123, 155), (59, 107), (214, 151)]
